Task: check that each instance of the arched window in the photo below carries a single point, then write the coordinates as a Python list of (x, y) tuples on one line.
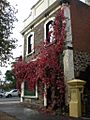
[(49, 30), (30, 43)]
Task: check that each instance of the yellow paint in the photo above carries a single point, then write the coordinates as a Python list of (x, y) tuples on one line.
[(76, 89)]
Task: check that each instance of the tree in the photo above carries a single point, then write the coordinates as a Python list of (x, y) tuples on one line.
[(9, 76), (7, 19)]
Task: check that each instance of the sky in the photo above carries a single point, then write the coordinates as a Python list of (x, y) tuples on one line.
[(23, 7)]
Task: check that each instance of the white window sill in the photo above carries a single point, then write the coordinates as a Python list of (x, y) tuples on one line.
[(28, 54), (30, 97)]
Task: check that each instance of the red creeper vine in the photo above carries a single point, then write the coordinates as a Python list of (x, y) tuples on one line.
[(47, 67)]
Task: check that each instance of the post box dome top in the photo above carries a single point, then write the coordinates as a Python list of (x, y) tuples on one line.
[(76, 82)]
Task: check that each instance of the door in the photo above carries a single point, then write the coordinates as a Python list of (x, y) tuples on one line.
[(85, 75)]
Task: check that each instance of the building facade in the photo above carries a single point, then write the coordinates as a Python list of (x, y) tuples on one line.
[(87, 2), (76, 52)]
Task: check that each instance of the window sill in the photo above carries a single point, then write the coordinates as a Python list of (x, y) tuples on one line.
[(29, 54), (49, 44), (30, 97)]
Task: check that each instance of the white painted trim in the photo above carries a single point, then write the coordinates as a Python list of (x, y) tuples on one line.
[(30, 97), (36, 7), (34, 96), (31, 33), (36, 91), (36, 22), (45, 94), (22, 91)]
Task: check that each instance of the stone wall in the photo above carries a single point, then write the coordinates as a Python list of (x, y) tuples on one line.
[(81, 61)]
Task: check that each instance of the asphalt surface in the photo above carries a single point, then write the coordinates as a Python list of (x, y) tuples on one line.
[(24, 113), (9, 100)]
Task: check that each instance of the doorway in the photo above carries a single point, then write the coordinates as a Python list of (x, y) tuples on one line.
[(85, 75)]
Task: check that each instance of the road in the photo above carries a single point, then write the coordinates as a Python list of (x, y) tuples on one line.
[(9, 100), (22, 112)]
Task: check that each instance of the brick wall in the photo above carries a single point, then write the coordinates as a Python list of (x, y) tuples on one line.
[(80, 20)]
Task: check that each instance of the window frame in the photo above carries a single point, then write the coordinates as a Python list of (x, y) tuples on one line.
[(32, 96), (45, 30), (32, 41)]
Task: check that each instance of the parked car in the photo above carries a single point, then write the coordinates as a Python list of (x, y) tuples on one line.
[(12, 93), (2, 94)]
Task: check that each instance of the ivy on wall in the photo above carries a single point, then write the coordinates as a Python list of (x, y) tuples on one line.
[(46, 66)]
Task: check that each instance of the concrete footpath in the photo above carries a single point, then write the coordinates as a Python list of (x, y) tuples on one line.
[(21, 112)]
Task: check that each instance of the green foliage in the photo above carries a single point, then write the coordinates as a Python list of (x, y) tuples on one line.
[(7, 19), (9, 76)]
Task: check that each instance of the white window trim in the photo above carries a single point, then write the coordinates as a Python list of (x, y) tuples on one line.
[(31, 33), (50, 19)]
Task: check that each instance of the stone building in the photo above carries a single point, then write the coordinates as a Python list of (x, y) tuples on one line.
[(76, 59)]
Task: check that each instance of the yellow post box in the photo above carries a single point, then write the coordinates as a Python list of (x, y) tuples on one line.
[(76, 89)]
